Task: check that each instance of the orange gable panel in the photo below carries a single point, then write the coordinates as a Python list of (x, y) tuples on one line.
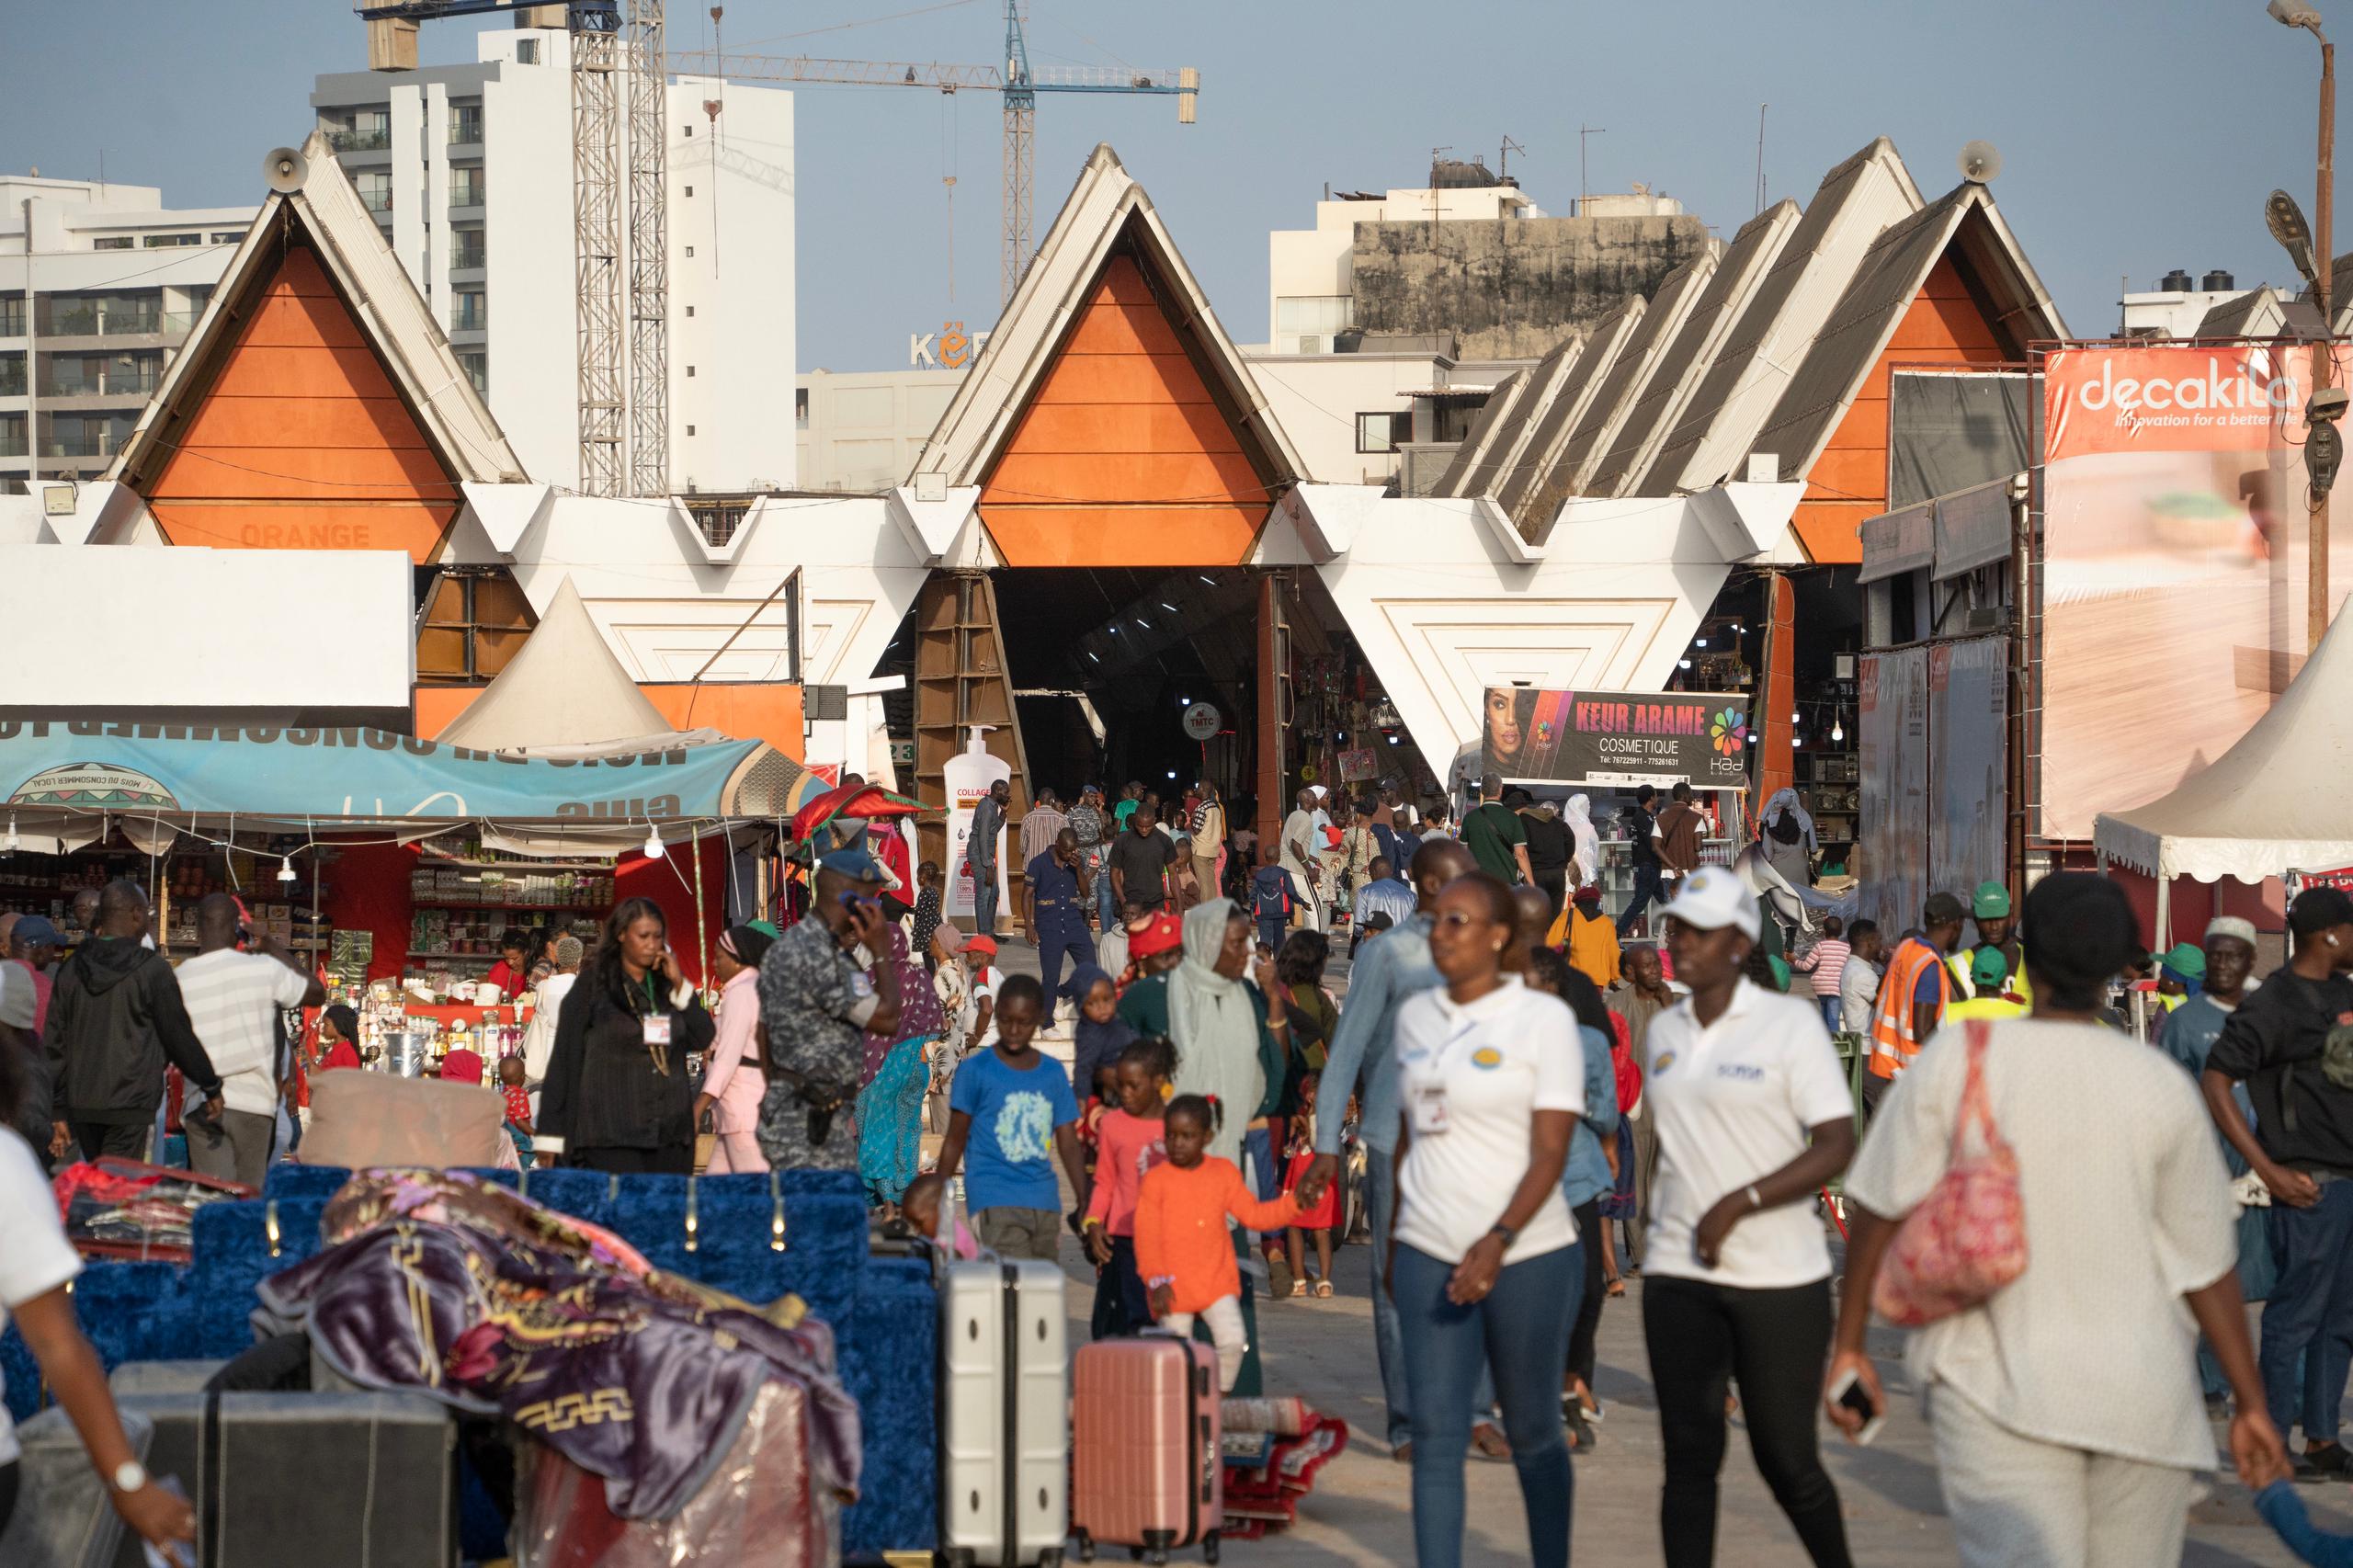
[(1123, 457), (300, 441), (1848, 480)]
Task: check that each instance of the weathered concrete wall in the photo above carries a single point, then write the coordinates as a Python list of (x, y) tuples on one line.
[(1514, 288)]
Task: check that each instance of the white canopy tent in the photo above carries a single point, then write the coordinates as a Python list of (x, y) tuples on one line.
[(2277, 800), (563, 689)]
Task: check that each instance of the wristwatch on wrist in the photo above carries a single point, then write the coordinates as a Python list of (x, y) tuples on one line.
[(1510, 1234), (130, 1476)]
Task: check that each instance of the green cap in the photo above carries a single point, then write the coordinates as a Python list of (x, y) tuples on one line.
[(1992, 901), (2186, 960), (1989, 969)]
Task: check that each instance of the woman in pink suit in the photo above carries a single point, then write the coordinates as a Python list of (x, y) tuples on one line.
[(733, 1082)]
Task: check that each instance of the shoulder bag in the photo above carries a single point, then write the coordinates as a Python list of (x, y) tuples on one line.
[(1967, 1239)]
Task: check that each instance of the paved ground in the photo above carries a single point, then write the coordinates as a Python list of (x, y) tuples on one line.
[(1361, 1512)]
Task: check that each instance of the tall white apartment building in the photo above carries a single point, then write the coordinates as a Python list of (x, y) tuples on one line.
[(99, 285), (467, 169)]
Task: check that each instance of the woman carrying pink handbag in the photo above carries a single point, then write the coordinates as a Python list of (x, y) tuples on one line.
[(2038, 1198)]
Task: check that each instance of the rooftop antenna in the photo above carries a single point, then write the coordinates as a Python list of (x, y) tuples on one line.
[(1436, 154), (1503, 161), (1584, 187), (1760, 156)]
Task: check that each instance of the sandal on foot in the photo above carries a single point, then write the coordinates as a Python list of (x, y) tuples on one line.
[(1299, 1287), (1323, 1288)]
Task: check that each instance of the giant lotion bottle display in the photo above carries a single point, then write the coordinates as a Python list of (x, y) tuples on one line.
[(967, 776)]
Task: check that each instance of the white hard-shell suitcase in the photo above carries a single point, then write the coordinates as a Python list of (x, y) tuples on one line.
[(1003, 1415)]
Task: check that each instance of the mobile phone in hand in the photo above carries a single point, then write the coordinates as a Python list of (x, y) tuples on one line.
[(1849, 1393)]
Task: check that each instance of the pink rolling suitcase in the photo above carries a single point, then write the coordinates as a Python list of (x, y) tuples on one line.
[(1145, 1471)]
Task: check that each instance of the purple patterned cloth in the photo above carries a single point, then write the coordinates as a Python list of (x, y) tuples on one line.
[(447, 1286), (919, 1014)]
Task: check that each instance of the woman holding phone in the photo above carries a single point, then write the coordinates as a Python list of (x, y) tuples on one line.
[(2065, 1406), (617, 1097)]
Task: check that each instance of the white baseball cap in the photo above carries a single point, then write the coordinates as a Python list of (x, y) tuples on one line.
[(17, 996), (1712, 898)]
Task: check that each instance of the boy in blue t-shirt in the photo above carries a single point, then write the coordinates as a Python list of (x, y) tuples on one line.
[(1012, 1105)]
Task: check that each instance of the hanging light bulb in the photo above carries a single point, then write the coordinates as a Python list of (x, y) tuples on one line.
[(1837, 730), (653, 842), (286, 868), (12, 833), (1699, 642)]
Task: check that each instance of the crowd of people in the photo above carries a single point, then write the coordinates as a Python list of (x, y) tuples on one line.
[(2065, 1162)]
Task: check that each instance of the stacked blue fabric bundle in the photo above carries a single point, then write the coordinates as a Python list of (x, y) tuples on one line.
[(883, 1312)]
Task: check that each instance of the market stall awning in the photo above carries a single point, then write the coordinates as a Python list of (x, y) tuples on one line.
[(51, 773), (2274, 800)]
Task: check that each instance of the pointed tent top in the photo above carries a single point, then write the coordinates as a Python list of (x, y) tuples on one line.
[(399, 326), (564, 688), (2256, 812), (1105, 209)]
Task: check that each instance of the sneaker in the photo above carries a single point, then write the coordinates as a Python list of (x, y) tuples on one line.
[(1582, 1436), (1403, 1452), (2329, 1459)]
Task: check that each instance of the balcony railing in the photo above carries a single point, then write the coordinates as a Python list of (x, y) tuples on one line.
[(467, 195), (377, 200), (12, 384), (465, 317), (376, 141), (59, 380), (469, 257), (465, 129), (12, 445)]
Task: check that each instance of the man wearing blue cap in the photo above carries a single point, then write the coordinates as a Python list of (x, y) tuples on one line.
[(817, 1003), (1057, 893)]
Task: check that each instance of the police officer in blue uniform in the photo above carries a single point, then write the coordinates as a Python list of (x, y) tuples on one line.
[(1057, 894)]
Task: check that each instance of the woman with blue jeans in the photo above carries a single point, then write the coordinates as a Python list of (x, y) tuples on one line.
[(1491, 1072)]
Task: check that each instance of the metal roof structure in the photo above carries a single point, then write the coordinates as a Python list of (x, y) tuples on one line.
[(323, 211), (1627, 456), (1611, 402), (1883, 286), (1107, 212), (1856, 200), (1500, 457), (1570, 400), (1483, 429)]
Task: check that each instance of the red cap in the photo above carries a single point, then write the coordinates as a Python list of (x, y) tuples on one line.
[(1157, 935), (461, 1066), (981, 944)]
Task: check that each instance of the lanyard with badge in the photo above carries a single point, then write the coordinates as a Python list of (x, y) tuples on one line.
[(1429, 1090), (656, 1024)]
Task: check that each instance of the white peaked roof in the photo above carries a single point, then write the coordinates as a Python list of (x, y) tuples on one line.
[(399, 323), (563, 689), (1106, 211), (2276, 800)]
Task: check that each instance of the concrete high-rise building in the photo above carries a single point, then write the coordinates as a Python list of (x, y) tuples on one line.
[(1470, 255), (467, 169), (115, 279)]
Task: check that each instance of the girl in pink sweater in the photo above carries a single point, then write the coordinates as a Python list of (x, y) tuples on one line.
[(1129, 1143)]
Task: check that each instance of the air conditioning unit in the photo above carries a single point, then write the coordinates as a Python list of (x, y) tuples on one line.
[(1987, 618), (1314, 345)]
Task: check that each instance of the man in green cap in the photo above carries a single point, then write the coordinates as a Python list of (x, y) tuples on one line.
[(1989, 907), (1993, 1000)]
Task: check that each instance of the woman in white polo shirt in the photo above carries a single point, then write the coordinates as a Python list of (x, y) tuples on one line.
[(1493, 1079), (1753, 1118)]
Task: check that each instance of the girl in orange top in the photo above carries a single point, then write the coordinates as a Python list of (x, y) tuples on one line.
[(1182, 1249)]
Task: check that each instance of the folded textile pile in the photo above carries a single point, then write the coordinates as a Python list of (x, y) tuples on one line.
[(1264, 1484), (118, 1208), (453, 1286)]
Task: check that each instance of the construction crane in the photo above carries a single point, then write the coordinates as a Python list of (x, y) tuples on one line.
[(616, 59), (1014, 78)]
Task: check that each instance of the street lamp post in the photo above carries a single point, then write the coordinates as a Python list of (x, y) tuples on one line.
[(2303, 14)]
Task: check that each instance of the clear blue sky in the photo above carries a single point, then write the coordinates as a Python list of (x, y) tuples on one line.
[(2137, 138)]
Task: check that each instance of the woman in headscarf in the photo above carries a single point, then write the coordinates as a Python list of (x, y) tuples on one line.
[(1787, 832), (733, 1083), (1098, 1035), (1585, 854), (890, 1108), (1231, 1039)]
